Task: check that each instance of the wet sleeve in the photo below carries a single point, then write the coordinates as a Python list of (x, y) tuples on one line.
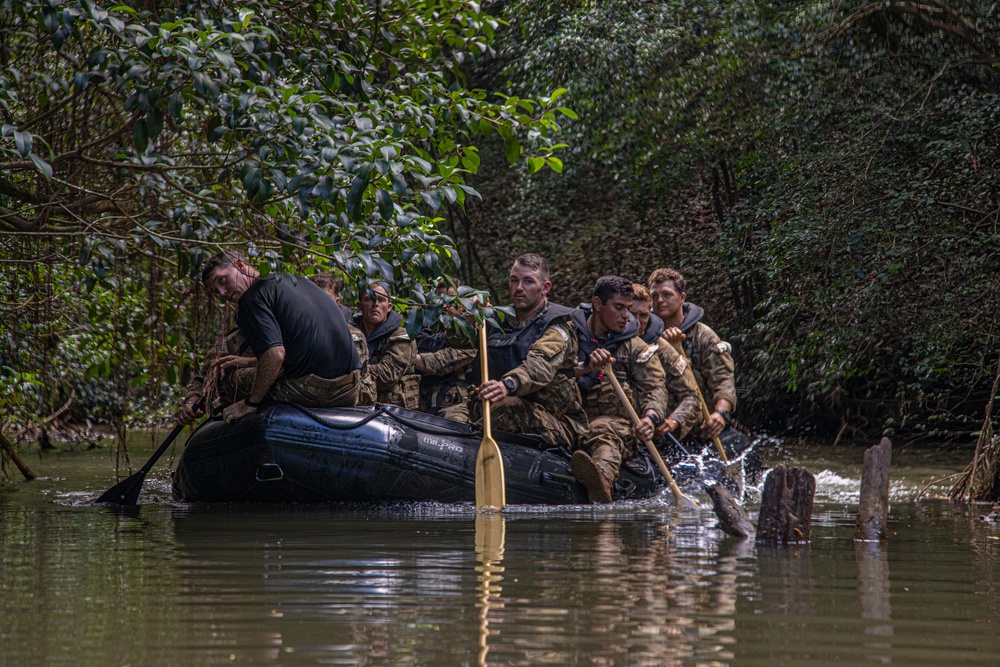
[(647, 378), (717, 370), (682, 398)]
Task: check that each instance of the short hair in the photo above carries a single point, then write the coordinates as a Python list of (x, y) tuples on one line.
[(444, 284), (328, 282), (663, 275), (535, 263), (609, 286), (640, 293), (220, 261)]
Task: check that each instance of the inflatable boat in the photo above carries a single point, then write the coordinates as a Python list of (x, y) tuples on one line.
[(287, 453)]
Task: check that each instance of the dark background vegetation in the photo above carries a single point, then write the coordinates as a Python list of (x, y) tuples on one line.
[(827, 177)]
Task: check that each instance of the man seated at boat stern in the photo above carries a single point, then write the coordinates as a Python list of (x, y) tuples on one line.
[(710, 357), (683, 411), (296, 331), (531, 360), (607, 333), (390, 351)]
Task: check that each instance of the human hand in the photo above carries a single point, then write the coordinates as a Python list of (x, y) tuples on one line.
[(190, 410), (236, 411), (597, 360), (644, 429), (491, 390), (668, 425), (673, 336), (713, 427)]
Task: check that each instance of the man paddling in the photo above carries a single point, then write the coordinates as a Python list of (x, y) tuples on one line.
[(683, 411), (607, 333), (710, 357), (299, 337), (531, 361)]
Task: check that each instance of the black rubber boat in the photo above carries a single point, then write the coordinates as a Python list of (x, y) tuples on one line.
[(285, 453)]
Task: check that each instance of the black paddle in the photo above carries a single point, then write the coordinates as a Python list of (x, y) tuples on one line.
[(126, 492)]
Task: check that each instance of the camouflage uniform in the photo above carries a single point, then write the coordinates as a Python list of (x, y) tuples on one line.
[(682, 398), (547, 400), (638, 369), (367, 394), (711, 358), (444, 389), (390, 363)]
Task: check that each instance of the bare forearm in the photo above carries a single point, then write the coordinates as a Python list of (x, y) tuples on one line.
[(268, 368)]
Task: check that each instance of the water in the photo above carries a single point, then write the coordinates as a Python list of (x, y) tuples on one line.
[(629, 584)]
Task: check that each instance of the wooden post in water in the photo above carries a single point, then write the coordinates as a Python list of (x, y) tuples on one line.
[(873, 507), (733, 518), (786, 506)]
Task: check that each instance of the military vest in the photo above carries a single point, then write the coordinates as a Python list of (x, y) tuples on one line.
[(587, 343), (507, 347)]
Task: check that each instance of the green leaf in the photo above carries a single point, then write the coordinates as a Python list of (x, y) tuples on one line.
[(385, 206), (140, 135), (535, 163), (356, 195), (23, 140), (41, 165)]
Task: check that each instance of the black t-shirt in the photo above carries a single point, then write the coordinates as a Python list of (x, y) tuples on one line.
[(294, 312)]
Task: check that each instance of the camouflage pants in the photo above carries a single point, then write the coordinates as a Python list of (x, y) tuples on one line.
[(311, 391), (517, 415), (405, 393), (444, 399), (609, 442)]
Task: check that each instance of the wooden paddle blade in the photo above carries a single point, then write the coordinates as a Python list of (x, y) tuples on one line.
[(491, 492), (125, 492)]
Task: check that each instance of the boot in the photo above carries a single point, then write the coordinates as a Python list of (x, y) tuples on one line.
[(590, 474)]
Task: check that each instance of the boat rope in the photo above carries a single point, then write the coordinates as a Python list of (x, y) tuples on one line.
[(323, 421)]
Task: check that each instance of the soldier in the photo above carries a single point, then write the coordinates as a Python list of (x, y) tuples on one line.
[(332, 285), (300, 340), (608, 334), (710, 357), (682, 399), (531, 360), (444, 387), (391, 352)]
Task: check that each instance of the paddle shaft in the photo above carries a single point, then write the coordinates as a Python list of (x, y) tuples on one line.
[(705, 414), (679, 497)]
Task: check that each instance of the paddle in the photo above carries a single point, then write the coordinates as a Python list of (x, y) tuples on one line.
[(491, 494), (126, 492), (679, 497), (705, 414)]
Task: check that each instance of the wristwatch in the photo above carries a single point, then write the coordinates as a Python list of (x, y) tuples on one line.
[(510, 384), (653, 417), (725, 416)]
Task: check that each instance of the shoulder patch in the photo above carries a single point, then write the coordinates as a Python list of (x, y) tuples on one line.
[(562, 332), (723, 348), (647, 354), (399, 334)]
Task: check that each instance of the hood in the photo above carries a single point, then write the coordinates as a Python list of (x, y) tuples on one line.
[(692, 315), (653, 329)]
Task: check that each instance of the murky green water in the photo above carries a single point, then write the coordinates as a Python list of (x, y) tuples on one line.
[(630, 584)]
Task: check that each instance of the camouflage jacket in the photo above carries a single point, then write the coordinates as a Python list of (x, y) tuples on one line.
[(711, 358), (682, 398), (638, 369), (390, 363)]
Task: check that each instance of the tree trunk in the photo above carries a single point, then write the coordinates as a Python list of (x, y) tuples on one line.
[(15, 456), (873, 507), (786, 506)]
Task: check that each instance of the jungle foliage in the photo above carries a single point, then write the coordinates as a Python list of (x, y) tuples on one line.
[(139, 138), (826, 175)]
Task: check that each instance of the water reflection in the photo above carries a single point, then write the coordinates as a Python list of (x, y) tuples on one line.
[(490, 534), (873, 591)]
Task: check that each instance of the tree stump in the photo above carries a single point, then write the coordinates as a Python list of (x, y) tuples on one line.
[(786, 506), (873, 507), (733, 518)]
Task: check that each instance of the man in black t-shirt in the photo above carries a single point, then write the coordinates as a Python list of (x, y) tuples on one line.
[(304, 350)]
